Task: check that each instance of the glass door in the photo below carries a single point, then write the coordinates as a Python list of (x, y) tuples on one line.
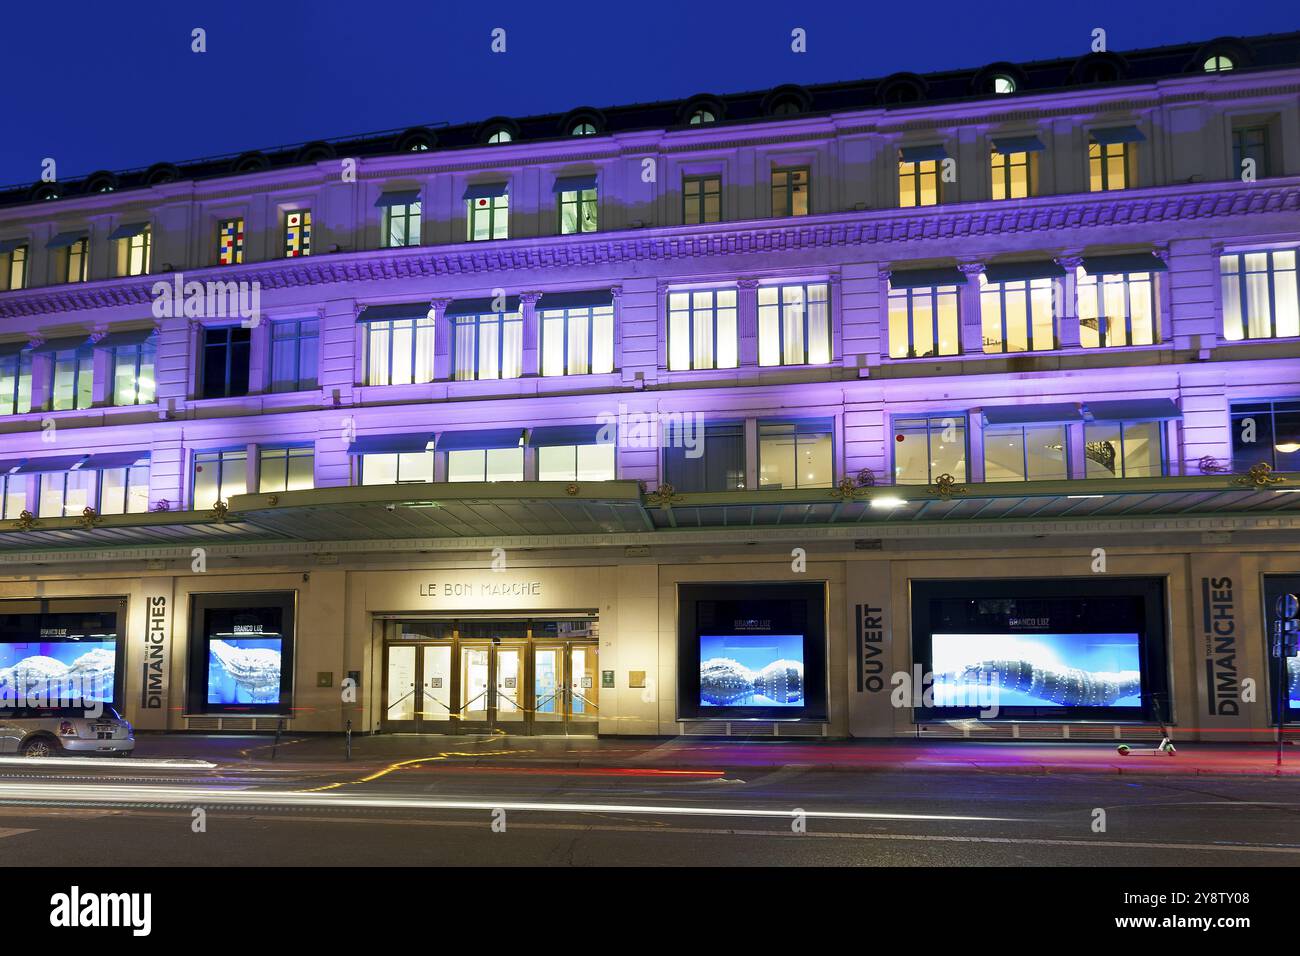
[(511, 714), (548, 689), (400, 693), (475, 688), (435, 689), (584, 689), (566, 688)]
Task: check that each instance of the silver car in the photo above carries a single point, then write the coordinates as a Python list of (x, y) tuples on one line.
[(48, 732)]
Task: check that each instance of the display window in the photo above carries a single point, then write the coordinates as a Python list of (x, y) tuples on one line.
[(241, 653), (60, 655)]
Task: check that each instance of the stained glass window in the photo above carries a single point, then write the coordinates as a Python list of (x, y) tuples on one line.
[(297, 233), (230, 242)]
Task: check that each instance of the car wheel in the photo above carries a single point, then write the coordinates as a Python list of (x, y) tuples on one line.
[(40, 747)]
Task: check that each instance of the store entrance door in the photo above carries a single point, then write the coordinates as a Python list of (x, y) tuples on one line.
[(501, 678)]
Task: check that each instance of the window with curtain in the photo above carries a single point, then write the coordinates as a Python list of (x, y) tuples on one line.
[(217, 476), (286, 469), (918, 183), (1124, 449), (577, 211), (133, 373), (588, 462), (295, 355), (404, 468), (790, 191), (1117, 309), (133, 253), (65, 494), (487, 217), (796, 454), (1259, 295), (925, 448), (124, 490), (1013, 174), (76, 260), (701, 199), (13, 496), (1251, 143), (488, 345), (399, 352), (401, 225), (923, 322), (794, 324), (485, 464), (1017, 315), (13, 268), (712, 461), (577, 341), (702, 331), (74, 378), (16, 383), (1110, 165), (1026, 453)]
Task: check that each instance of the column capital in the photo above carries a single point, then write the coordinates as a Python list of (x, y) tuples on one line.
[(1070, 260), (439, 305), (971, 269), (529, 298), (747, 283), (1161, 252), (616, 291)]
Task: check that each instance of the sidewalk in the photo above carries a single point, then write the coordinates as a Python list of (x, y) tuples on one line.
[(668, 755)]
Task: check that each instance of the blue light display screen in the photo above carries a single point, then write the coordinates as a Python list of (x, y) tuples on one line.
[(244, 670), (32, 673), (1039, 670), (751, 670)]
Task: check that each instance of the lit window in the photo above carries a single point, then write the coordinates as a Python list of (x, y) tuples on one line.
[(795, 454), (15, 381), (1124, 449), (295, 355), (74, 377), (124, 490), (133, 250), (583, 129), (133, 373), (230, 242), (1259, 295), (286, 469), (1218, 64), (399, 352), (13, 496), (500, 136), (485, 464), (923, 322), (699, 117), (925, 448), (577, 211), (218, 476), (702, 329), (577, 341), (488, 345), (794, 324), (1267, 432), (1250, 151), (1014, 174), (13, 266), (790, 191), (1120, 308), (918, 183), (77, 261), (404, 468), (701, 199), (1026, 453), (1110, 166), (593, 462), (1017, 315), (65, 493), (297, 233), (487, 217), (1003, 84), (705, 458), (401, 225)]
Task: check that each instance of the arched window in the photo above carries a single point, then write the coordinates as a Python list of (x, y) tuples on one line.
[(500, 136), (1218, 64), (700, 117), (583, 129), (1004, 84)]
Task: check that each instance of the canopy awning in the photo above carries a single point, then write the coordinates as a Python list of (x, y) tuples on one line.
[(398, 197), (395, 312), (576, 300), (404, 444), (38, 466), (917, 278), (1020, 271), (1118, 134), (1018, 144), (920, 154), (126, 338), (480, 439), (549, 435), (1133, 410), (1125, 262), (68, 343), (484, 306), (1042, 414), (128, 230), (113, 459)]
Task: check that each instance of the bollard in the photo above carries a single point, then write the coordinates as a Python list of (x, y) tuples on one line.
[(347, 739), (279, 726)]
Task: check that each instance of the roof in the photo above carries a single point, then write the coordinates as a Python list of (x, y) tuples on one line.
[(899, 90)]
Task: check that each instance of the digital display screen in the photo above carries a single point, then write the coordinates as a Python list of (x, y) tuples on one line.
[(45, 673), (1038, 670), (1293, 682), (244, 670), (751, 670)]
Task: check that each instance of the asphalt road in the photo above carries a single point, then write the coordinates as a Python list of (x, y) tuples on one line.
[(134, 813)]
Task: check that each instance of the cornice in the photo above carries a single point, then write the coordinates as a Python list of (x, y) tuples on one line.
[(1044, 215)]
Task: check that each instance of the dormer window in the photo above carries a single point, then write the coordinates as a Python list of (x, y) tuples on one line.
[(500, 136), (1218, 64), (700, 117), (1003, 84), (583, 129)]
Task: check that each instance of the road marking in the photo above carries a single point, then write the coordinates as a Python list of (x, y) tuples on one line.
[(90, 793), (32, 763), (13, 831)]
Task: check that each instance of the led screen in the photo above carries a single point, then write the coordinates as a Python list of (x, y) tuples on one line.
[(45, 673), (244, 670), (1039, 670), (751, 670)]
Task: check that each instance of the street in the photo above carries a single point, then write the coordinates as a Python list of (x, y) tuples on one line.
[(486, 803)]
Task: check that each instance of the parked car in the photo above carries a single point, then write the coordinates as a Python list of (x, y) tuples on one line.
[(48, 732)]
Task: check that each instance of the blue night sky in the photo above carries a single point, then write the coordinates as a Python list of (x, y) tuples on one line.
[(115, 86)]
